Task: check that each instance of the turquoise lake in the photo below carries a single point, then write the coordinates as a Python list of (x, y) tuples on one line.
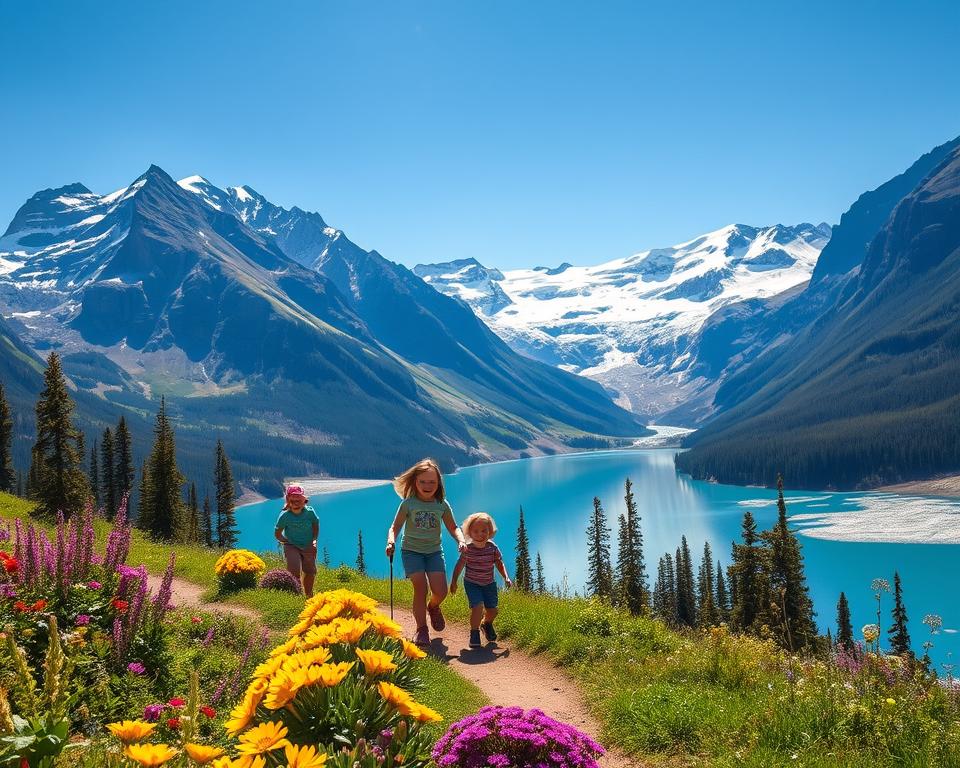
[(557, 492)]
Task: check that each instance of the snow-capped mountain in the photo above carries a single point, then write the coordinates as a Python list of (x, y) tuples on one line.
[(632, 323)]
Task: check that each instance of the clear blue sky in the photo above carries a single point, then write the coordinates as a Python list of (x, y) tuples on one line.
[(519, 133)]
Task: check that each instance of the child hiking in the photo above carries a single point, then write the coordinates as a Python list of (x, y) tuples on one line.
[(479, 559), (423, 509), (297, 529)]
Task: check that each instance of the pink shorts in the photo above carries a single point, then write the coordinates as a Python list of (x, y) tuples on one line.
[(300, 559)]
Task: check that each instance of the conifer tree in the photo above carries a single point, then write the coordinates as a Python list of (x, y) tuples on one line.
[(162, 511), (206, 523), (108, 484), (686, 589), (899, 636), (20, 488), (665, 592), (706, 584), (523, 578), (844, 627), (723, 596), (193, 516), (95, 474), (326, 557), (123, 473), (57, 480), (8, 476), (227, 535), (361, 563), (540, 584), (631, 579), (794, 625), (749, 578), (599, 570)]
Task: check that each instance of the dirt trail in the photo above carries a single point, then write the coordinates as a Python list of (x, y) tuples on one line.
[(508, 677), (511, 678)]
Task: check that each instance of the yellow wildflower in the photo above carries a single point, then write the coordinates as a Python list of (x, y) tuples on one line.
[(383, 625), (131, 730), (329, 675), (350, 630), (892, 702), (202, 754), (266, 670), (287, 647), (263, 738), (150, 754), (243, 713), (304, 757), (412, 650), (421, 713), (376, 662), (283, 689), (394, 694)]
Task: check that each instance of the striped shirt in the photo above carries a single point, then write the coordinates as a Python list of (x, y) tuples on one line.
[(479, 562)]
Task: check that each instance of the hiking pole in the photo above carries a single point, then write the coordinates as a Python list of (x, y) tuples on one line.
[(391, 586)]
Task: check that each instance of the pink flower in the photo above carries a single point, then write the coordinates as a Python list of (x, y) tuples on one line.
[(152, 712), (82, 620), (94, 585), (136, 668), (176, 702)]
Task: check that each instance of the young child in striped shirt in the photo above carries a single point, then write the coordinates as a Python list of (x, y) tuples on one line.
[(479, 559)]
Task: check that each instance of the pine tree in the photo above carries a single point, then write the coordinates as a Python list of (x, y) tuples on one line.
[(686, 589), (899, 636), (193, 516), (326, 558), (162, 511), (227, 534), (361, 563), (599, 571), (631, 578), (794, 626), (108, 484), (723, 596), (522, 577), (665, 592), (123, 473), (57, 480), (8, 476), (844, 627), (540, 583), (206, 523), (706, 585), (20, 488), (749, 579), (95, 474)]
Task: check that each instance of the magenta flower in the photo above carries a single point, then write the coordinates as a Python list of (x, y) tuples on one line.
[(136, 668), (82, 620), (152, 712), (94, 585)]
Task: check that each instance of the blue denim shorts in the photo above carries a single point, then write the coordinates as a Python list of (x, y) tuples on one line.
[(477, 594), (415, 562)]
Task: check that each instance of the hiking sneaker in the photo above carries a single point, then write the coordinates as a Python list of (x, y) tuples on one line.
[(423, 637), (436, 618), (489, 631), (475, 638)]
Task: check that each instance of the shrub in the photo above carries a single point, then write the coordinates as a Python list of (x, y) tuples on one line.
[(281, 580), (238, 569), (597, 618), (510, 736)]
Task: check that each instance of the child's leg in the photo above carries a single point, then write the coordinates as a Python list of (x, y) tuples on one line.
[(438, 587), (476, 615), (419, 581), (309, 570), (489, 615)]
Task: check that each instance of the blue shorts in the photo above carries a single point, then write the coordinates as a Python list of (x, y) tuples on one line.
[(477, 594), (415, 562)]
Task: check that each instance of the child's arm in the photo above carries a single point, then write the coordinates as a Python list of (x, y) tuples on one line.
[(394, 529), (316, 532), (454, 530), (457, 569), (503, 572), (278, 535)]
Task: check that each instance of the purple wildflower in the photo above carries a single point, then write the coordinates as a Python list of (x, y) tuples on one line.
[(161, 603), (152, 712), (94, 585), (208, 638), (136, 668), (82, 620)]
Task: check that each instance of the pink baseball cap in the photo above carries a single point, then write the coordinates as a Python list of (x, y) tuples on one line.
[(294, 490)]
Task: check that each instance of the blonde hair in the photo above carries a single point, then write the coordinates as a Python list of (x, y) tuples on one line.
[(405, 484), (476, 517)]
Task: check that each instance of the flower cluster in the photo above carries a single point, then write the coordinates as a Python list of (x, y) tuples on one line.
[(282, 580), (341, 678), (238, 569), (509, 737)]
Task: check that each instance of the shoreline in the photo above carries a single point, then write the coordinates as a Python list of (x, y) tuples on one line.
[(314, 486), (945, 485)]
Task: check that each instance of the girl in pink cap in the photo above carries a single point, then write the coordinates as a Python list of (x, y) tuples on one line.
[(297, 529)]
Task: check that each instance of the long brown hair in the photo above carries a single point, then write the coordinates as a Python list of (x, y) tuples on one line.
[(405, 484)]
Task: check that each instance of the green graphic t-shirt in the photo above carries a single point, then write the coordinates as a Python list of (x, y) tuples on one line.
[(298, 529), (424, 521)]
